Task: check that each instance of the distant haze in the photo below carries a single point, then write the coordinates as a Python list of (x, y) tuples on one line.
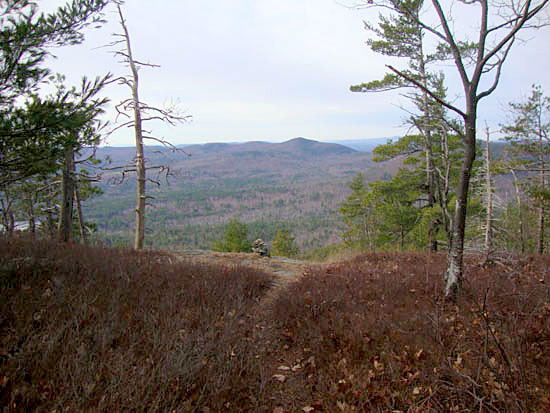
[(271, 70)]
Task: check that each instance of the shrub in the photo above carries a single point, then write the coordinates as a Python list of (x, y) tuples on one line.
[(98, 329), (235, 238), (284, 245)]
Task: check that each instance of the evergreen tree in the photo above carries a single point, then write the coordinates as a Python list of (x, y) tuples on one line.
[(284, 244), (26, 144), (235, 238), (358, 214), (529, 135), (395, 207), (479, 67)]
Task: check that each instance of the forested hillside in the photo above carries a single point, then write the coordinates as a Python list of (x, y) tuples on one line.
[(297, 185)]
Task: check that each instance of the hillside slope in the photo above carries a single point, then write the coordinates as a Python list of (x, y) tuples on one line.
[(298, 184)]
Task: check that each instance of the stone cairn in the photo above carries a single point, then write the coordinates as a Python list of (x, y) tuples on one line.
[(260, 248)]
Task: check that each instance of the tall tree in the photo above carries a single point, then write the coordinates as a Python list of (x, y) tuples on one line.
[(88, 107), (26, 38), (401, 35), (489, 190), (529, 134), (358, 213), (498, 24), (140, 113)]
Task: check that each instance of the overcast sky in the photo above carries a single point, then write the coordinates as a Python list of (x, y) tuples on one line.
[(269, 70)]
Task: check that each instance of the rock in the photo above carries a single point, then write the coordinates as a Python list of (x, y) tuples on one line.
[(260, 248)]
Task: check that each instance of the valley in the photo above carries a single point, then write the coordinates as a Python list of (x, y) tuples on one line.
[(296, 185)]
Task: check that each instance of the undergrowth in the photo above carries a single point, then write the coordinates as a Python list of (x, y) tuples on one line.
[(112, 330), (97, 329)]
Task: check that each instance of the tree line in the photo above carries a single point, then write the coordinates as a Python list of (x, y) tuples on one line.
[(43, 139), (48, 143), (428, 34)]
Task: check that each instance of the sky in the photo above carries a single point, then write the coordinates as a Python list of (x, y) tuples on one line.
[(269, 70)]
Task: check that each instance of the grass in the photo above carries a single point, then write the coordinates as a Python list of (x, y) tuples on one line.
[(98, 329)]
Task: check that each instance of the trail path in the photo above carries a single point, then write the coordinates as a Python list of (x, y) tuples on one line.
[(285, 270)]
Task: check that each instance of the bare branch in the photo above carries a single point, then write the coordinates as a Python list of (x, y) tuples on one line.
[(429, 92)]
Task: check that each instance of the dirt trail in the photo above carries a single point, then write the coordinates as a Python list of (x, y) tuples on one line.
[(285, 270)]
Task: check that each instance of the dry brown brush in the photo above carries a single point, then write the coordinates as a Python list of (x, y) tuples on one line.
[(97, 329), (373, 334), (113, 330)]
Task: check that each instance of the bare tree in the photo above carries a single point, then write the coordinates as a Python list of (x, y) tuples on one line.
[(140, 113), (499, 23)]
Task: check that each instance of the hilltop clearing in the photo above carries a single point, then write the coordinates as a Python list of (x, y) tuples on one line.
[(102, 329)]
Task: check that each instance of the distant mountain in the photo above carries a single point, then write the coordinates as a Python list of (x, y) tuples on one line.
[(297, 184), (300, 148), (364, 145)]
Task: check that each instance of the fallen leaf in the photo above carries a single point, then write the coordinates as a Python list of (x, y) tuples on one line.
[(280, 377), (284, 368), (308, 409), (342, 406)]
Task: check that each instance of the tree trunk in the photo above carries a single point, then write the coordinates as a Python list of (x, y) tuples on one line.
[(489, 228), (455, 264), (427, 127), (65, 225), (32, 218), (138, 131), (541, 198), (520, 212), (7, 215), (81, 222)]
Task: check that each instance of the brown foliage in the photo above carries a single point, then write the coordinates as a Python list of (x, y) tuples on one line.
[(112, 330), (379, 336)]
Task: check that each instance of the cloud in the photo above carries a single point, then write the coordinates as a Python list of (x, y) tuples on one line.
[(265, 69)]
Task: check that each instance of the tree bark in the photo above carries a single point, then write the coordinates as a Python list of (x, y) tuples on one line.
[(489, 228), (455, 262), (65, 225), (520, 212), (138, 131), (541, 199), (81, 221)]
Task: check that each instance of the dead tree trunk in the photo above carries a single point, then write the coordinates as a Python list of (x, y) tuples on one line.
[(141, 196), (427, 126)]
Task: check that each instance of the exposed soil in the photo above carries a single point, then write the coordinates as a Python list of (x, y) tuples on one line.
[(285, 270)]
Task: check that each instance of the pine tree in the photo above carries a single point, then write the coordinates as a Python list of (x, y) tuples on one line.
[(529, 135), (27, 132), (284, 244), (235, 238), (358, 214), (479, 66)]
